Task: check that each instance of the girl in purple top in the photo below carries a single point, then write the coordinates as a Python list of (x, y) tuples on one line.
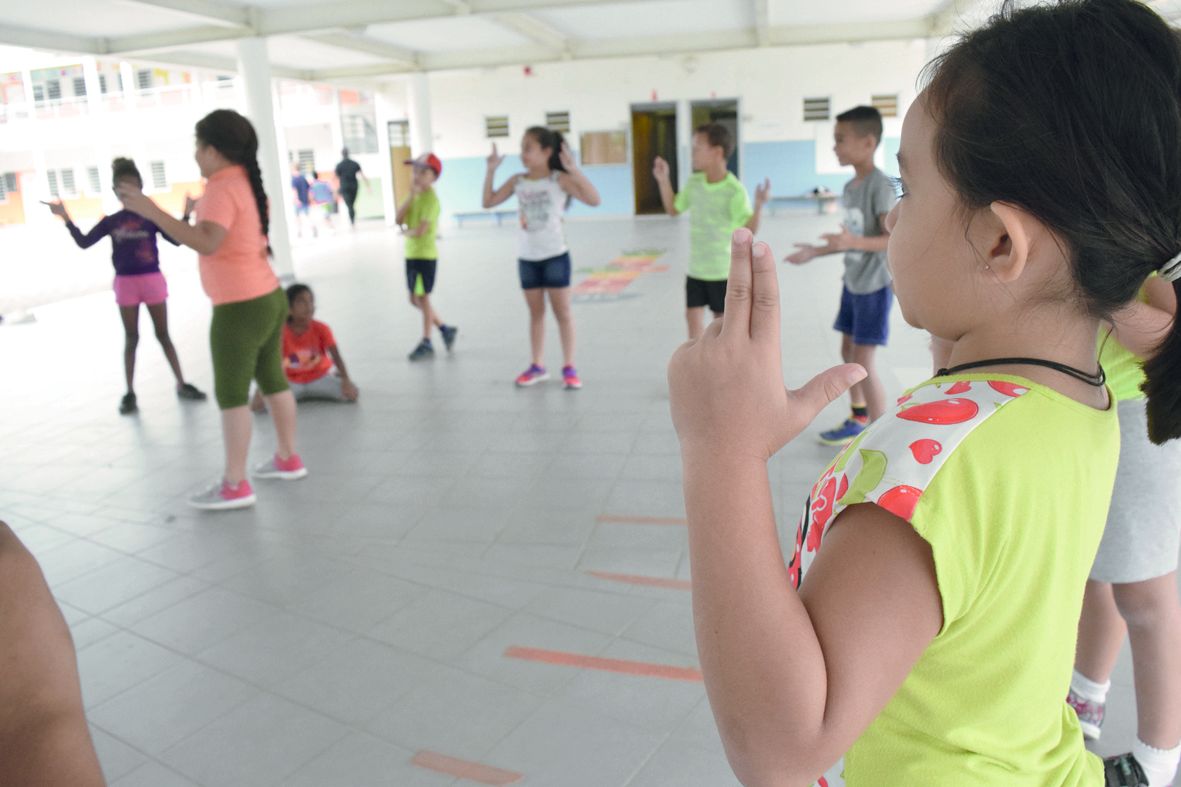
[(137, 279)]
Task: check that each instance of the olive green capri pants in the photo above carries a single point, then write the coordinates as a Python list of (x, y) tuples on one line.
[(246, 342)]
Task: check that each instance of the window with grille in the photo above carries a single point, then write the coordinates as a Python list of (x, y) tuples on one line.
[(92, 178), (102, 83), (79, 86), (67, 180), (38, 93), (399, 133), (886, 104), (496, 126), (558, 121), (143, 79), (53, 183), (54, 89), (817, 109), (307, 161), (7, 185), (159, 181)]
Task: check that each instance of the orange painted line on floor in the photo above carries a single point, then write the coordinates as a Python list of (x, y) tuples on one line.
[(463, 769), (642, 668), (634, 579), (618, 519)]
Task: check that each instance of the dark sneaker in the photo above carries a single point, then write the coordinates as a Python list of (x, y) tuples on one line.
[(843, 434), (449, 332), (127, 405), (1123, 771), (423, 351), (190, 392), (1090, 715)]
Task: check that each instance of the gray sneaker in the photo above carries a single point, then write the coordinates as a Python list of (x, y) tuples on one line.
[(221, 497), (287, 470), (423, 351)]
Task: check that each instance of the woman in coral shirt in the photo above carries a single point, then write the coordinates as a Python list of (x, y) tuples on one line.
[(249, 307)]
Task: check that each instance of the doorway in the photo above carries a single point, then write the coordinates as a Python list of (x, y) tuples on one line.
[(654, 133), (399, 136), (725, 112)]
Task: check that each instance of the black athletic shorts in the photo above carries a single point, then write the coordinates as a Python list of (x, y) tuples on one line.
[(700, 293)]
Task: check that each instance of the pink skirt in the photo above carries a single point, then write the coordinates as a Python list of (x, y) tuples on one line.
[(149, 288)]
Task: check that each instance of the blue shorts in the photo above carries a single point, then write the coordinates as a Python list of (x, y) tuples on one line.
[(865, 317), (552, 274)]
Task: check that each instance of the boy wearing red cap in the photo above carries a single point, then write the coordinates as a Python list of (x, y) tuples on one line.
[(419, 218)]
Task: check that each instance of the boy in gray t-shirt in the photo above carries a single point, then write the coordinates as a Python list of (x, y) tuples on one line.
[(866, 297)]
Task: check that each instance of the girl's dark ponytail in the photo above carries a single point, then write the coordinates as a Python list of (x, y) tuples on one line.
[(232, 135), (1163, 386)]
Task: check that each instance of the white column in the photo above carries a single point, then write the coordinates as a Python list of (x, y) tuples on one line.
[(337, 129), (385, 111), (127, 77), (96, 105), (684, 142), (422, 139), (254, 69), (27, 80)]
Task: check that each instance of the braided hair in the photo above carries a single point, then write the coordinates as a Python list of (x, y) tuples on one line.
[(232, 135)]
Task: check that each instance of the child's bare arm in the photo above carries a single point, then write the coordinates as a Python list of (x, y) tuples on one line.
[(1141, 327), (334, 354), (668, 197), (574, 181), (793, 678)]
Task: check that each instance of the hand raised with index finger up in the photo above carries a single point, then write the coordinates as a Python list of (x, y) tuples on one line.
[(726, 388)]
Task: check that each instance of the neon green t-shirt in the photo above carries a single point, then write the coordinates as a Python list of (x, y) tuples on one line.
[(1125, 369), (423, 207), (717, 209), (1009, 483)]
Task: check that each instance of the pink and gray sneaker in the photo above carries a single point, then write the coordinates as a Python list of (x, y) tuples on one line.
[(223, 497), (570, 378), (1090, 715), (532, 376), (288, 469)]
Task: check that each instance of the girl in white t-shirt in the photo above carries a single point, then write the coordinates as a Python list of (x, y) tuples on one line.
[(544, 191)]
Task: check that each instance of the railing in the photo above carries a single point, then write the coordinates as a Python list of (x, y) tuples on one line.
[(218, 93)]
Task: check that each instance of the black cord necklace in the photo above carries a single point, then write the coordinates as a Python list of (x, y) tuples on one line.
[(1096, 380)]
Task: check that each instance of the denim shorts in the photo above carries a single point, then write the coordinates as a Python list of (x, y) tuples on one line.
[(866, 317), (552, 274)]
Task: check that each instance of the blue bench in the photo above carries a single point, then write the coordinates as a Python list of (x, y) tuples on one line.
[(821, 200), (499, 215)]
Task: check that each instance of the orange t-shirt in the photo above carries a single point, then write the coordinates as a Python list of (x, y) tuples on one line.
[(305, 355), (239, 269)]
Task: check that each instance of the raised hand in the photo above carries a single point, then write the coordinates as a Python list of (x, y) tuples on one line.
[(660, 169), (763, 192), (805, 252), (494, 158), (840, 241), (726, 388), (134, 200), (57, 208), (566, 156)]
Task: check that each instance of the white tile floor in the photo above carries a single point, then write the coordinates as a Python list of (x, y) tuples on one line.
[(363, 616)]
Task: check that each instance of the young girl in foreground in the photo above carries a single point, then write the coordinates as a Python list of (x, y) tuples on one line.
[(944, 553)]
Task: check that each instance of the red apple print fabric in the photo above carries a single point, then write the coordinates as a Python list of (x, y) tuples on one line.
[(893, 462)]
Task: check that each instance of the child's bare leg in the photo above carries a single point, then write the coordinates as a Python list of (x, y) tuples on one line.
[(428, 315), (236, 426), (43, 731), (559, 299), (871, 387), (1152, 612), (257, 403), (282, 406), (535, 299), (695, 317), (1101, 633), (159, 315), (130, 316)]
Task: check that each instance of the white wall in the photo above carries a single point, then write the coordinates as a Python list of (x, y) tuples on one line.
[(771, 83)]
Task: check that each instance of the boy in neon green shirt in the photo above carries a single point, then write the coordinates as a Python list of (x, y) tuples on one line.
[(720, 205), (419, 219)]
